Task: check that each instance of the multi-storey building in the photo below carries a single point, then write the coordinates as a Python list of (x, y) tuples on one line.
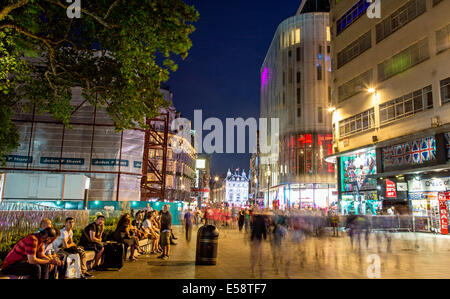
[(236, 189), (295, 88), (180, 164), (390, 90)]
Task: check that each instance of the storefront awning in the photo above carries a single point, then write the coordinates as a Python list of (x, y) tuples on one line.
[(425, 170)]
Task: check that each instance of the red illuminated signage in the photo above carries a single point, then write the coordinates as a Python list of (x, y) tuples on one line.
[(391, 190), (443, 197)]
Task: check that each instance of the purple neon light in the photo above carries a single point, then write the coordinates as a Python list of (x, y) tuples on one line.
[(264, 77)]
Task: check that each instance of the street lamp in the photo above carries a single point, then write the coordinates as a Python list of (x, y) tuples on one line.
[(268, 186)]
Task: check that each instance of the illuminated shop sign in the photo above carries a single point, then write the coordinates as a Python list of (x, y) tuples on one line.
[(355, 171), (436, 184), (391, 189)]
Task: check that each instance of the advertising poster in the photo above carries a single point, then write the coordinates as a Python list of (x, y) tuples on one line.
[(355, 171), (443, 197)]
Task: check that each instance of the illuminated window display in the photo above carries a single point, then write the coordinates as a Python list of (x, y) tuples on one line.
[(359, 195)]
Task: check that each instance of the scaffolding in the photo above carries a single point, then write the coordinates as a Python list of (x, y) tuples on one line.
[(116, 162)]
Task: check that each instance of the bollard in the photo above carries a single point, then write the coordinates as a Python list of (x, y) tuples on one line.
[(207, 241)]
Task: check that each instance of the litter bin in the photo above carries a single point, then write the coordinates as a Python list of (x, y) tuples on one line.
[(207, 241)]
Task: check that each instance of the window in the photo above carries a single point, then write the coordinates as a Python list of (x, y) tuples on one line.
[(355, 86), (298, 54), (445, 91), (400, 18), (284, 78), (319, 72), (352, 15), (299, 77), (356, 48), (407, 105), (289, 53), (297, 35), (299, 112), (329, 95), (328, 34), (298, 96), (443, 39), (404, 60), (320, 114), (359, 123)]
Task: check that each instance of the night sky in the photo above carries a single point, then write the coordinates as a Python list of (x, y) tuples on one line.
[(221, 75)]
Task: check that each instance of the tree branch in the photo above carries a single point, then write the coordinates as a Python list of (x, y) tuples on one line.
[(97, 18), (6, 10), (111, 8)]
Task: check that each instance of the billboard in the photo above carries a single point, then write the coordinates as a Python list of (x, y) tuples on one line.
[(200, 164), (355, 170)]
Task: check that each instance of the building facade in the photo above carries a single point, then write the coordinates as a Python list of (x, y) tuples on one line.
[(236, 189), (390, 91), (295, 88)]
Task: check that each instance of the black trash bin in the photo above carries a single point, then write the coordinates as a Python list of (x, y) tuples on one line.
[(207, 241)]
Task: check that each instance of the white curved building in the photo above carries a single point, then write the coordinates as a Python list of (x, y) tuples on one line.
[(295, 87)]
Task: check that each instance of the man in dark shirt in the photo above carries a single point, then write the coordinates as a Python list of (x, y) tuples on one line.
[(259, 231), (166, 226), (188, 216), (91, 239), (28, 258)]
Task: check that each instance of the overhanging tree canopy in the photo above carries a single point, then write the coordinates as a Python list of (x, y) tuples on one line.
[(119, 52)]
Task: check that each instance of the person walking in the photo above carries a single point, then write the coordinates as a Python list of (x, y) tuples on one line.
[(166, 226), (241, 219), (188, 216), (258, 232)]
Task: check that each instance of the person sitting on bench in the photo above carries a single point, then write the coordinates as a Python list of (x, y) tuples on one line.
[(27, 258), (126, 235), (91, 239)]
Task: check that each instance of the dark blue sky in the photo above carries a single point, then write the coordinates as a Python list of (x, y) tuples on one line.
[(221, 75)]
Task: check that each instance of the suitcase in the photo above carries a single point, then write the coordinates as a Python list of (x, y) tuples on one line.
[(114, 255)]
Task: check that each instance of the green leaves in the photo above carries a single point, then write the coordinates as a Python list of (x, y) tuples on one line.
[(115, 64)]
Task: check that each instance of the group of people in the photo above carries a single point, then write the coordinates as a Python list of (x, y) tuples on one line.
[(43, 254), (147, 224)]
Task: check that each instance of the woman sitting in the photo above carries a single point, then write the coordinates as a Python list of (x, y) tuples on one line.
[(125, 234), (153, 233)]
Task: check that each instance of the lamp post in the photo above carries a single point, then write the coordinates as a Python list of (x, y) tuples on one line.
[(268, 186)]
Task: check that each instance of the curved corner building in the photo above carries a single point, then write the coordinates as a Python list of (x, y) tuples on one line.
[(295, 89)]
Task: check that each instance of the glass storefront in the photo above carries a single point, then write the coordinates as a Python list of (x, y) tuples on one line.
[(366, 204), (305, 196)]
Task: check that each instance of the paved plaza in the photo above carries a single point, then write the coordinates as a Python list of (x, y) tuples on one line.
[(413, 255)]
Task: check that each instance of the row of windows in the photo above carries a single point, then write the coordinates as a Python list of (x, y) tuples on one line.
[(388, 26), (355, 86), (400, 18), (356, 48), (407, 105), (352, 15), (404, 60), (397, 64), (359, 123), (404, 106)]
